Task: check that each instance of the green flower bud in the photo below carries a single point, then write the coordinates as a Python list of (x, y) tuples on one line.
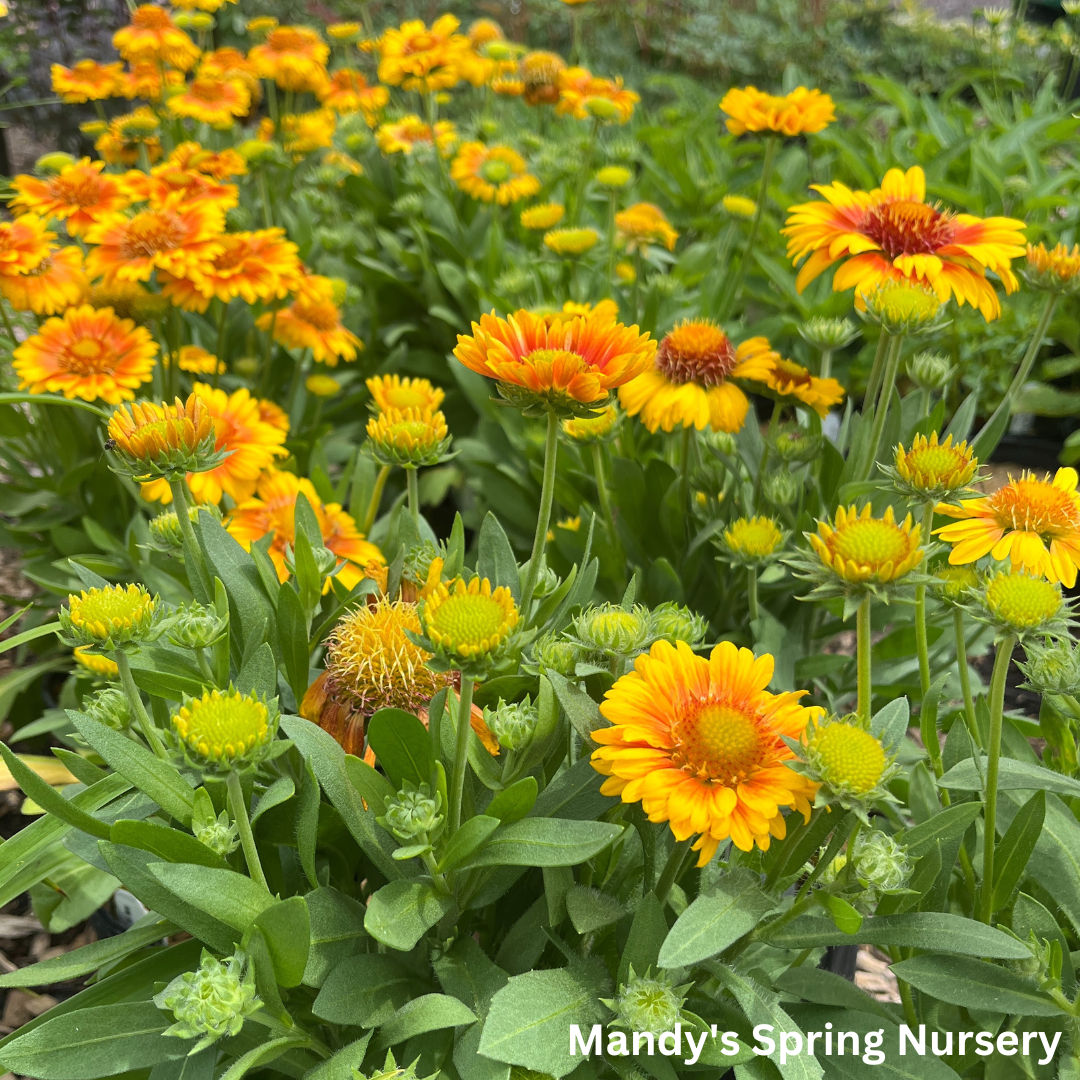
[(721, 441), (828, 333), (929, 370), (624, 149), (325, 560), (881, 864), (789, 442), (547, 582), (781, 488), (212, 1001), (612, 630), (409, 205), (514, 281), (196, 626), (904, 307), (50, 164), (648, 1003), (220, 835), (1052, 667), (665, 284), (109, 707), (514, 724), (391, 1071), (673, 622), (165, 532), (412, 812), (554, 653)]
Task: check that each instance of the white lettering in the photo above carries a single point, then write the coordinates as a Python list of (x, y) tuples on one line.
[(695, 1051), (793, 1050), (984, 1043), (1049, 1047), (1007, 1039), (761, 1034), (1029, 1038), (639, 1036), (586, 1048), (676, 1037), (616, 1044), (906, 1036), (964, 1036), (873, 1040), (841, 1036), (947, 1052), (729, 1043)]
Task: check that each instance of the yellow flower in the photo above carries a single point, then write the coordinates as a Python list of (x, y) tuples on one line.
[(408, 437), (1056, 270), (1020, 602), (492, 173), (901, 306), (802, 112), (785, 379), (469, 621), (625, 272), (938, 469), (110, 616), (543, 217), (540, 74), (223, 726), (164, 440), (847, 758), (1034, 523), (739, 206), (344, 31), (95, 662), (700, 744), (571, 242), (301, 133), (585, 429), (859, 548), (643, 224), (954, 582), (261, 24), (614, 176), (404, 135), (570, 524), (395, 392), (198, 361), (754, 540), (322, 385), (293, 56), (424, 59)]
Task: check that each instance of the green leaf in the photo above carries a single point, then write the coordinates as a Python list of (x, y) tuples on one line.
[(32, 634), (1012, 775), (429, 1012), (930, 930), (647, 933), (715, 920), (341, 1064), (529, 1020), (337, 930), (467, 840), (374, 788), (287, 929), (364, 990), (259, 674), (975, 984), (1015, 847), (95, 1042), (826, 988), (163, 673), (152, 776), (261, 1055), (171, 845), (225, 895), (495, 557), (953, 821), (544, 842), (293, 639), (402, 746), (582, 712), (842, 913), (890, 723), (515, 802), (591, 909), (400, 913)]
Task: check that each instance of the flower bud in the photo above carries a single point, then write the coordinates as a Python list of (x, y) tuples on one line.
[(904, 307), (111, 617), (648, 1003), (881, 864), (828, 333), (929, 370), (514, 281), (721, 441), (739, 206), (409, 437), (789, 442), (56, 162), (196, 626), (110, 707), (672, 622), (1052, 667), (220, 835), (412, 812), (513, 724), (781, 488), (953, 583), (614, 177), (554, 653), (612, 630)]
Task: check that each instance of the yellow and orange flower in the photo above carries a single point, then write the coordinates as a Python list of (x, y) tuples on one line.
[(348, 92), (561, 361), (540, 73), (273, 510), (78, 195), (802, 112), (313, 321), (152, 37), (87, 354), (404, 135), (230, 63), (395, 392), (87, 81), (256, 266), (543, 216), (301, 133), (145, 79), (176, 237), (55, 284), (185, 186), (892, 232), (197, 361), (415, 57), (1035, 524), (492, 173), (588, 97), (689, 383), (294, 57), (220, 164), (252, 445), (786, 379), (643, 224), (212, 100), (700, 744), (24, 244), (481, 31), (859, 548)]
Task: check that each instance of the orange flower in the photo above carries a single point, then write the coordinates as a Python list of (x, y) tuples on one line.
[(24, 244), (53, 285), (251, 443), (416, 58), (257, 266), (78, 195), (802, 112), (584, 96), (144, 81), (540, 76), (788, 379), (273, 510), (175, 237), (152, 37), (185, 186), (568, 360), (294, 57), (220, 164), (892, 233), (87, 354), (404, 135), (313, 321), (642, 224), (348, 92), (87, 81), (492, 173), (230, 63), (214, 101), (303, 132)]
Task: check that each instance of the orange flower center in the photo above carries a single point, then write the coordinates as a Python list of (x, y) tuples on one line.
[(1035, 506), (286, 39), (787, 371), (151, 18), (421, 43), (87, 356), (721, 741), (906, 227), (208, 90), (234, 256), (870, 542), (697, 351), (322, 314), (151, 232), (77, 189)]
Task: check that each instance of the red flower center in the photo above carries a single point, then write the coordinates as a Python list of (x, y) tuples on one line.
[(697, 351), (906, 227)]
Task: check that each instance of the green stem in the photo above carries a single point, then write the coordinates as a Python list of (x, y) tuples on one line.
[(198, 576), (583, 179), (547, 493), (605, 499), (7, 324), (461, 752), (826, 363), (672, 869), (965, 677), (638, 267), (905, 991), (611, 238), (413, 488), (881, 413), (268, 356), (239, 810), (433, 870), (863, 657), (997, 711), (920, 611), (221, 334), (751, 592), (376, 498), (146, 725), (873, 383)]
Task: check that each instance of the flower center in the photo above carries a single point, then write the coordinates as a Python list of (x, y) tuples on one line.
[(849, 756), (936, 461), (322, 314), (495, 172), (286, 39), (790, 373), (421, 43), (697, 351), (150, 17), (758, 536), (151, 232), (870, 542), (548, 359), (1035, 506), (116, 607), (88, 356), (222, 725), (906, 227), (78, 189), (1022, 601), (721, 741), (208, 90), (469, 618)]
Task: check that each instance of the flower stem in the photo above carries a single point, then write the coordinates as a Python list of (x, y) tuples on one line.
[(547, 492), (751, 592), (881, 413), (873, 383), (461, 752), (920, 611), (146, 725), (826, 363), (238, 809), (965, 677), (7, 324), (672, 868), (605, 499), (997, 710), (198, 576), (414, 497), (863, 657), (376, 498)]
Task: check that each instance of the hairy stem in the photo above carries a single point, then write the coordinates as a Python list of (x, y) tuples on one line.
[(547, 492), (997, 711), (461, 752), (239, 810)]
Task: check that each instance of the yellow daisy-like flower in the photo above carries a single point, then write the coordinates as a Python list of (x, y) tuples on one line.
[(25, 243), (754, 540), (802, 112), (56, 284), (571, 242), (482, 31), (584, 96), (408, 437), (395, 392), (936, 468), (164, 439), (739, 206), (95, 663), (294, 57), (214, 101), (405, 135), (87, 81), (1033, 523), (860, 548), (1020, 602), (591, 429), (301, 133), (1056, 270), (469, 621), (606, 308), (420, 58), (197, 361), (344, 31), (223, 726), (847, 758), (323, 386), (699, 743), (492, 173), (111, 616), (79, 195), (313, 321), (643, 224), (786, 379), (570, 524), (690, 380), (153, 37), (543, 217)]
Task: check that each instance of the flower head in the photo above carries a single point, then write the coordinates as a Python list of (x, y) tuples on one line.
[(397, 392), (1056, 270), (56, 284), (110, 617), (648, 1003), (409, 437), (164, 440), (699, 742), (892, 233), (860, 549), (79, 195), (802, 112), (828, 333), (492, 173), (313, 321), (87, 81), (225, 728), (212, 100), (542, 217), (152, 37), (786, 379), (569, 363), (95, 663), (321, 385), (571, 242), (405, 135), (585, 96), (846, 758), (739, 206), (753, 541), (294, 57), (24, 245), (417, 57), (348, 92), (952, 584), (690, 384), (540, 74), (933, 470), (614, 177), (1019, 603), (643, 224), (469, 622), (1034, 523), (902, 306)]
